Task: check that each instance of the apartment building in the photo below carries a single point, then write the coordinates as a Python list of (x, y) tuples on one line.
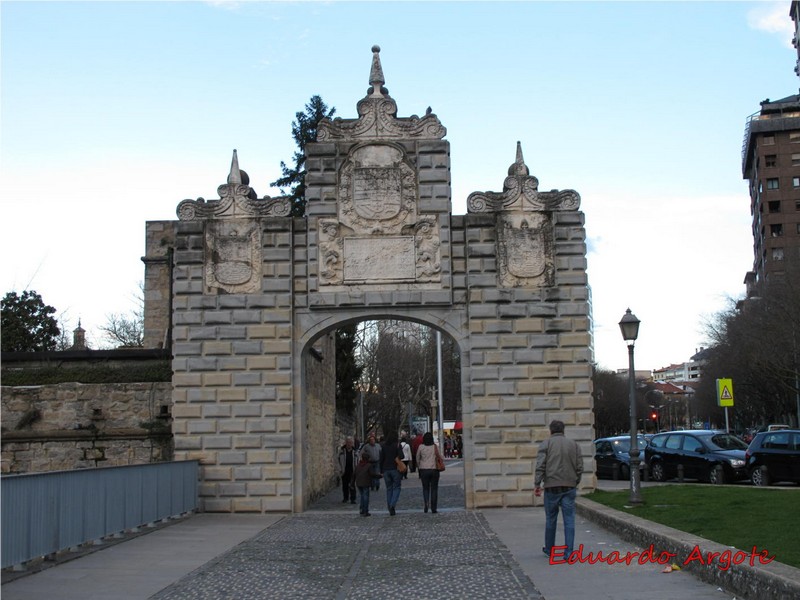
[(771, 164)]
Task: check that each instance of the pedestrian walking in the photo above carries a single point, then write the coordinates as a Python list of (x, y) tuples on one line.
[(373, 450), (416, 441), (559, 467), (390, 452), (428, 473), (347, 468), (363, 478), (406, 455)]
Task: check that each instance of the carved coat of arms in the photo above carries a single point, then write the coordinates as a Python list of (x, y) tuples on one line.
[(233, 256), (525, 250)]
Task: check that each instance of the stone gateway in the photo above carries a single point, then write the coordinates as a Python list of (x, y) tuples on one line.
[(248, 298)]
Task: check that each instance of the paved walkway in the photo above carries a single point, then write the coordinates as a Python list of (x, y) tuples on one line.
[(332, 552)]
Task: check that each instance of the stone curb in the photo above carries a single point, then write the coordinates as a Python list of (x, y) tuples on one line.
[(773, 581)]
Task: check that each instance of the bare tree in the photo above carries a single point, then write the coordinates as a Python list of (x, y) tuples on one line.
[(756, 342), (398, 377), (126, 330)]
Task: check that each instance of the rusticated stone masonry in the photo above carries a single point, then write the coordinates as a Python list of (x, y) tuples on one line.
[(252, 291)]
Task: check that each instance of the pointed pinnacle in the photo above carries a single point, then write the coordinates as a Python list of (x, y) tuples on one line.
[(376, 79), (235, 175)]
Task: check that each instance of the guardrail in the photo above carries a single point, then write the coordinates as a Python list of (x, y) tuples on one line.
[(44, 513)]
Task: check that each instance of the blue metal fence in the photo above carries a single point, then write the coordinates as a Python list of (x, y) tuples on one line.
[(43, 513)]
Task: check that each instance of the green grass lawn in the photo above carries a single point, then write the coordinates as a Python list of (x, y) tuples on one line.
[(734, 516)]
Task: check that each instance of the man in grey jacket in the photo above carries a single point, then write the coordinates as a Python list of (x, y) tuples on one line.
[(559, 465)]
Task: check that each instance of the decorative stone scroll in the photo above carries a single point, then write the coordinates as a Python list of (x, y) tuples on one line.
[(378, 116), (237, 199), (233, 256), (524, 225), (521, 193)]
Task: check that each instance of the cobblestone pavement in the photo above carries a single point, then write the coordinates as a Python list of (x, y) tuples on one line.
[(333, 552)]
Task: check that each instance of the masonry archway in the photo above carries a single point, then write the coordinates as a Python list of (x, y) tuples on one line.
[(304, 450), (239, 289)]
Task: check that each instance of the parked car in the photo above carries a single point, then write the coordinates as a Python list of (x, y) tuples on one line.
[(700, 452), (774, 456), (611, 455)]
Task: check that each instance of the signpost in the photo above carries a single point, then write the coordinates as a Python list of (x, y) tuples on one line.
[(725, 397)]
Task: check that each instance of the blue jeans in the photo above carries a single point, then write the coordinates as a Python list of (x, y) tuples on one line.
[(392, 479), (552, 501), (363, 497)]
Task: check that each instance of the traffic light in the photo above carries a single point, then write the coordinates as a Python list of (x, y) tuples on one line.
[(654, 416)]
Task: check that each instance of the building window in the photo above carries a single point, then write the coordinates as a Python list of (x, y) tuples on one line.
[(774, 206), (795, 160), (798, 228), (795, 181), (794, 137), (771, 160), (776, 230), (768, 140), (797, 205), (772, 183), (777, 254)]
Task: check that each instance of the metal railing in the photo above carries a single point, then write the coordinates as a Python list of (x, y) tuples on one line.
[(44, 513)]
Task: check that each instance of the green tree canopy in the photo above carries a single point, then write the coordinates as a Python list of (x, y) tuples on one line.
[(304, 130), (27, 323)]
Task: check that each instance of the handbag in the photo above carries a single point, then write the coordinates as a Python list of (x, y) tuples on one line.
[(439, 460), (401, 466)]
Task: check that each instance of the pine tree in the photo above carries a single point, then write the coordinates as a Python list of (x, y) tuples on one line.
[(348, 371), (304, 130)]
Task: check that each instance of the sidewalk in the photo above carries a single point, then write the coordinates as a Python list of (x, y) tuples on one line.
[(332, 552)]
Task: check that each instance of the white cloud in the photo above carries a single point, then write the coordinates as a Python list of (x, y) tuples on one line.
[(772, 17)]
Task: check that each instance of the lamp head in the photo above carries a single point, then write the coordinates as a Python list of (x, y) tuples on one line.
[(629, 326)]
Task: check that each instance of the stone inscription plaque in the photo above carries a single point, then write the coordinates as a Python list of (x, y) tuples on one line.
[(379, 259)]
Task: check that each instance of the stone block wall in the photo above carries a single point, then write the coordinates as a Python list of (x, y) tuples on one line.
[(159, 245), (232, 399), (74, 426)]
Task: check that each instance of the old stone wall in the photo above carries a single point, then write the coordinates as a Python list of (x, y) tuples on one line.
[(322, 426), (73, 426)]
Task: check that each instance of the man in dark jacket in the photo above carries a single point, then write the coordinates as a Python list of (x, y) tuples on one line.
[(559, 465), (347, 468)]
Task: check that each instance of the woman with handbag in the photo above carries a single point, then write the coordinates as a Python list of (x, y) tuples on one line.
[(430, 462)]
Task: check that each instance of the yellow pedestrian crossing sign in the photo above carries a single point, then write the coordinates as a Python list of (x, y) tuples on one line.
[(724, 392)]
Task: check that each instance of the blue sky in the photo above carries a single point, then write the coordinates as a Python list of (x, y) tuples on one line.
[(113, 112)]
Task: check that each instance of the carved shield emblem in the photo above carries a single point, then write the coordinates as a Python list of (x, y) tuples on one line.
[(233, 264), (377, 192), (526, 253), (232, 256)]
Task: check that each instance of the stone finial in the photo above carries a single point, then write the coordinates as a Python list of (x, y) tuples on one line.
[(378, 116), (519, 167), (521, 194), (237, 199), (376, 78), (235, 176)]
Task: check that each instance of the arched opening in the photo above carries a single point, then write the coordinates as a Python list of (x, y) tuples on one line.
[(394, 387)]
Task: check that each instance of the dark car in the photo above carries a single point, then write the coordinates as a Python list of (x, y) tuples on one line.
[(774, 456), (713, 456), (611, 456)]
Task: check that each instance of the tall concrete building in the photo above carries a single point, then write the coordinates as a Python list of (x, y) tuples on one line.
[(771, 164)]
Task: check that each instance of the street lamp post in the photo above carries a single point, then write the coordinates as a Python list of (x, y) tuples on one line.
[(629, 326)]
